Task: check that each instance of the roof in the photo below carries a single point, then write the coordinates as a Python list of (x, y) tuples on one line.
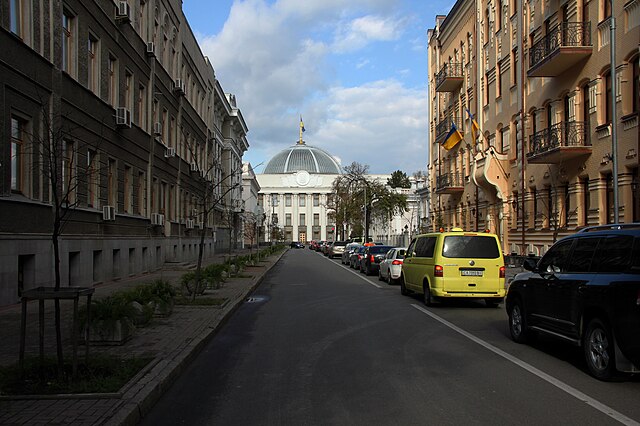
[(302, 157)]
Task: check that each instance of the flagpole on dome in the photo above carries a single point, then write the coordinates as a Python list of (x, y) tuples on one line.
[(302, 129)]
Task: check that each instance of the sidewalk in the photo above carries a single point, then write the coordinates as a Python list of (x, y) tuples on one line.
[(173, 342)]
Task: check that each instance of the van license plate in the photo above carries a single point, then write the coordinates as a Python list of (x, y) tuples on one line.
[(470, 273)]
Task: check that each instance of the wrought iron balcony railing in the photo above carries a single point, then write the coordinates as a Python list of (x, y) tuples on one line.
[(448, 71), (564, 134), (444, 126), (449, 180), (565, 34)]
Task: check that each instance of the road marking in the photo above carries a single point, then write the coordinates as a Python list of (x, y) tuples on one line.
[(605, 409), (357, 274)]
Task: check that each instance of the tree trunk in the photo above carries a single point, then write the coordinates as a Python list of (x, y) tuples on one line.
[(56, 265), (196, 289)]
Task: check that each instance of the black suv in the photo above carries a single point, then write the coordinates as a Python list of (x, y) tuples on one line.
[(585, 290), (371, 258)]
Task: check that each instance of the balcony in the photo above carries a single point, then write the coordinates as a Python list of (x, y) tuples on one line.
[(559, 143), (562, 48), (444, 126), (449, 183), (450, 77)]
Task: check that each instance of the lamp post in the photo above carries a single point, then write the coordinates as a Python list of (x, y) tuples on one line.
[(614, 132)]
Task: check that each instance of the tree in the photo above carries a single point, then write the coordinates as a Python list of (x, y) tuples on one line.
[(556, 209), (356, 197), (399, 179)]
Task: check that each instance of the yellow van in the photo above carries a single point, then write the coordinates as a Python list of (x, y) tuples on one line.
[(445, 265)]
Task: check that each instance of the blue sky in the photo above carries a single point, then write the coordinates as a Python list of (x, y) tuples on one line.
[(356, 70)]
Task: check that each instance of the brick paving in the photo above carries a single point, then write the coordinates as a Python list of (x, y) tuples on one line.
[(170, 341)]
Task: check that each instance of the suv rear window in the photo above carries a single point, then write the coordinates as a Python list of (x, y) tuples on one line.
[(466, 246), (614, 254)]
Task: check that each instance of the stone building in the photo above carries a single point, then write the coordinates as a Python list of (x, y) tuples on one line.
[(536, 77), (117, 102)]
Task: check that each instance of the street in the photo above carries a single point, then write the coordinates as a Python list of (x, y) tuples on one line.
[(319, 343)]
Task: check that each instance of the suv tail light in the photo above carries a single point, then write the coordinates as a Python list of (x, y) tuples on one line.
[(438, 271), (502, 272), (397, 262)]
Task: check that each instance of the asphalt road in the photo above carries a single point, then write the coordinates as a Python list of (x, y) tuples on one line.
[(320, 344)]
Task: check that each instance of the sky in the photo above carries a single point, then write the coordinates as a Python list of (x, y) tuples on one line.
[(354, 70)]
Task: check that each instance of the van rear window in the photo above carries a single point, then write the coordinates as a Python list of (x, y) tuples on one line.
[(466, 246)]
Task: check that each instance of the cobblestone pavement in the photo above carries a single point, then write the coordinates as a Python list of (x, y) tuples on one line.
[(172, 342)]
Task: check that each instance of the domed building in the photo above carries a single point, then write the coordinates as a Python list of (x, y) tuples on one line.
[(294, 187)]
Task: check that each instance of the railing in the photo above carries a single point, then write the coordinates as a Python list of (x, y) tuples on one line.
[(451, 69), (444, 126), (449, 180), (565, 134), (565, 34), (604, 32)]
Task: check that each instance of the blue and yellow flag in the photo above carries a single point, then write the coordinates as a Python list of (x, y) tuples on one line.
[(302, 129), (475, 129), (453, 138)]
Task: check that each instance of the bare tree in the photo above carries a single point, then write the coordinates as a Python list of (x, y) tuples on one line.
[(556, 205)]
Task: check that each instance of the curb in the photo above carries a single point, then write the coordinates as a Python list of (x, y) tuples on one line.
[(143, 395)]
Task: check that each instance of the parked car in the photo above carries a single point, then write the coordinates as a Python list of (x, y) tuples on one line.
[(348, 250), (296, 244), (321, 246), (585, 290), (336, 249), (455, 264), (391, 266), (371, 258), (354, 259), (313, 244)]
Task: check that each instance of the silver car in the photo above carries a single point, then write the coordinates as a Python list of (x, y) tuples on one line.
[(391, 267)]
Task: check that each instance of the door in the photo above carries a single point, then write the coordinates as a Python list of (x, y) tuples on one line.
[(408, 268)]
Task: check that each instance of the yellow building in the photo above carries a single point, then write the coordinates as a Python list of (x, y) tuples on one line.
[(548, 62)]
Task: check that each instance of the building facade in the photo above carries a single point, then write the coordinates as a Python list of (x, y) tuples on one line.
[(110, 111), (536, 77)]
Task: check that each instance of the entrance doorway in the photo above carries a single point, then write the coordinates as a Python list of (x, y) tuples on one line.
[(302, 237)]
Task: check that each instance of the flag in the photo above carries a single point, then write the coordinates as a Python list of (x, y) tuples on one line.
[(301, 125), (453, 137), (475, 129)]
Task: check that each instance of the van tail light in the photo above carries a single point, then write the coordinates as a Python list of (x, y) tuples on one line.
[(372, 259), (438, 271), (397, 262), (502, 272)]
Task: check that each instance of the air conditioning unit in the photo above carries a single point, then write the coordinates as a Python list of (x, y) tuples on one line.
[(169, 152), (194, 167), (179, 86), (157, 219), (123, 117), (151, 49), (190, 223), (108, 213), (123, 12), (157, 128)]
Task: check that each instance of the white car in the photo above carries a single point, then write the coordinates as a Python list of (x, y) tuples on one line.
[(391, 267)]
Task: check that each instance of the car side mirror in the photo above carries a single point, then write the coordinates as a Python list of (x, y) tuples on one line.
[(529, 264)]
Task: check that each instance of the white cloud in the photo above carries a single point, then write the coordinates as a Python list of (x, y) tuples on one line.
[(359, 32), (275, 59)]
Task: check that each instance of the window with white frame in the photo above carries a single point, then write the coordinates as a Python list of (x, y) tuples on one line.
[(112, 80), (302, 200), (18, 136), (68, 42), (19, 19), (92, 178), (128, 90), (93, 64)]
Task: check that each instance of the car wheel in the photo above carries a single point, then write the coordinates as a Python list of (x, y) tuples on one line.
[(518, 322), (389, 280), (598, 347), (428, 298), (403, 289)]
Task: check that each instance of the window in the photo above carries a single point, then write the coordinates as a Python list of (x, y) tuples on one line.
[(69, 171), (142, 107), (302, 220), (92, 179), (470, 247), (556, 259), (316, 200), (614, 254), (18, 132), (112, 75), (505, 135), (68, 43), (302, 200), (635, 86), (582, 254), (606, 9), (128, 90), (287, 200), (425, 247), (93, 64), (128, 189), (19, 14), (287, 219), (607, 98), (112, 183), (316, 219), (498, 15)]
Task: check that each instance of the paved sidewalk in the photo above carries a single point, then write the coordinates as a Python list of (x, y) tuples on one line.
[(172, 342)]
